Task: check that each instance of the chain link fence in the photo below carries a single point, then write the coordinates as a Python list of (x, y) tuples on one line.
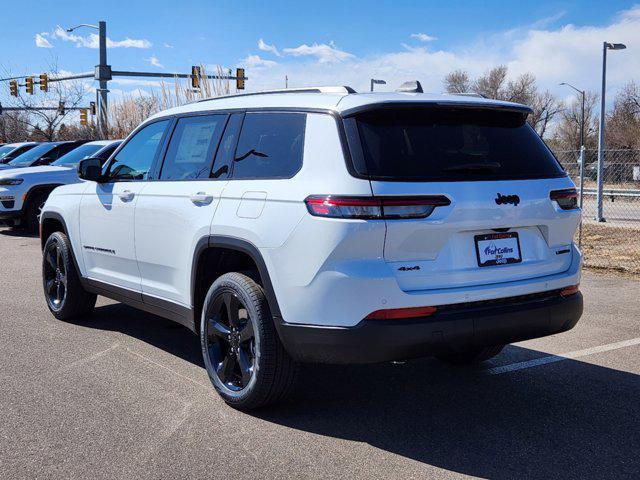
[(615, 242)]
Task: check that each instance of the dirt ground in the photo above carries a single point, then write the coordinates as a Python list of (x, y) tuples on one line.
[(612, 248)]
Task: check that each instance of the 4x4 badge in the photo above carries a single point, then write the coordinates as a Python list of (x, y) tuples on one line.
[(502, 199)]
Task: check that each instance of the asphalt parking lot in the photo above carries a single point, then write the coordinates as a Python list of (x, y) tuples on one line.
[(123, 394)]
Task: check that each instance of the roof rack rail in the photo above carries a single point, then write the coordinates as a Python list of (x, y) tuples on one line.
[(337, 89), (466, 94)]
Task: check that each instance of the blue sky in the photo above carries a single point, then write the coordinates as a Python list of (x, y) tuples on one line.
[(331, 42)]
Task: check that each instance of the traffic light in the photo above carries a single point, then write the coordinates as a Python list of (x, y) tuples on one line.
[(195, 77), (92, 108), (83, 116), (13, 88), (239, 78), (44, 82), (28, 82), (61, 108)]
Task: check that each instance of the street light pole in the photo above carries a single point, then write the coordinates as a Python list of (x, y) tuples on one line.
[(582, 152), (601, 142), (377, 82), (102, 73)]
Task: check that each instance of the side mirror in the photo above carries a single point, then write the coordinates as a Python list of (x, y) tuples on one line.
[(90, 169)]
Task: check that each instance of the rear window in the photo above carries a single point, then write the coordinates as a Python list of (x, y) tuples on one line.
[(444, 144)]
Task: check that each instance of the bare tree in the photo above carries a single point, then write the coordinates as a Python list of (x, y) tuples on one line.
[(457, 81), (623, 124), (567, 132)]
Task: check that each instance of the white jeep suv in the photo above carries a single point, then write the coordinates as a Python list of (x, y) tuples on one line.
[(322, 225)]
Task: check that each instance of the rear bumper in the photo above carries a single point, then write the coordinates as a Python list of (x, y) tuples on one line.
[(452, 328)]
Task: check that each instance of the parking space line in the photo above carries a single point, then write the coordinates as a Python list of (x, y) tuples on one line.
[(559, 358), (147, 359), (89, 359)]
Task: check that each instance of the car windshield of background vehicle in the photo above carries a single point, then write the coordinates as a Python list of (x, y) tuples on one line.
[(5, 150), (449, 144), (72, 159), (28, 157)]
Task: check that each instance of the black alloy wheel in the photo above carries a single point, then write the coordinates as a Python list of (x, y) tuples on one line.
[(231, 341)]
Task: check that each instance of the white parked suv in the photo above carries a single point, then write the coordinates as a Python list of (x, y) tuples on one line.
[(322, 225), (23, 191)]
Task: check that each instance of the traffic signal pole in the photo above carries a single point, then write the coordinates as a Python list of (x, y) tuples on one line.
[(103, 76)]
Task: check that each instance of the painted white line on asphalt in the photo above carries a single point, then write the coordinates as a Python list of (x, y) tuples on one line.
[(559, 358), (86, 360), (147, 359)]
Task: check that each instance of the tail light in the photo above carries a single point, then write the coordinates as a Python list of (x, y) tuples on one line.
[(398, 313), (374, 208), (567, 199), (567, 291)]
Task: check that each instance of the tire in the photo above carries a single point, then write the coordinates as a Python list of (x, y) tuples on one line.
[(472, 355), (32, 214), (246, 363), (64, 294)]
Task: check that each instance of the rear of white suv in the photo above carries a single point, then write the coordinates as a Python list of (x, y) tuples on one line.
[(324, 227), (465, 243)]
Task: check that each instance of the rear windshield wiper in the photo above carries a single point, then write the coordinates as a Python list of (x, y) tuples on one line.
[(473, 167)]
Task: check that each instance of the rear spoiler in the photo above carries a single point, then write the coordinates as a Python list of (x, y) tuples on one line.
[(453, 103)]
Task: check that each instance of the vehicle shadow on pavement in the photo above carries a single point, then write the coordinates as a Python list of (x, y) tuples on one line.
[(569, 419), (17, 232)]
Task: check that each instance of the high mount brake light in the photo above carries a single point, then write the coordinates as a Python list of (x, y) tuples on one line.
[(567, 199), (374, 208)]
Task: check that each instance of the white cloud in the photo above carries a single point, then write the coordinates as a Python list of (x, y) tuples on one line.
[(41, 41), (255, 61), (554, 54), (92, 40), (153, 60), (423, 37), (265, 47), (323, 52), (167, 45)]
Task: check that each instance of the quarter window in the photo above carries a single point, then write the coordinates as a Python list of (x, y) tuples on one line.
[(192, 147), (135, 158), (270, 145)]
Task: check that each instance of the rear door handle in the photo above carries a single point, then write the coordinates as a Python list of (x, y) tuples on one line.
[(126, 196), (201, 197)]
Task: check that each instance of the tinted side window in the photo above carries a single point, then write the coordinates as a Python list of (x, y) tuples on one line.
[(135, 158), (192, 147), (62, 150), (227, 148), (270, 145)]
